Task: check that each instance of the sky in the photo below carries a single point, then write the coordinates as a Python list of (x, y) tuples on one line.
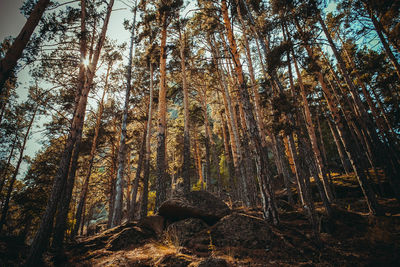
[(12, 21)]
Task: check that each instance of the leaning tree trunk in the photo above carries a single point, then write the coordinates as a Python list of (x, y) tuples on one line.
[(303, 185), (15, 174), (62, 215), (231, 122), (265, 181), (9, 61), (4, 171), (63, 206), (373, 205), (42, 236), (379, 31), (82, 196), (228, 155), (378, 149), (119, 185), (241, 171), (312, 135), (339, 146)]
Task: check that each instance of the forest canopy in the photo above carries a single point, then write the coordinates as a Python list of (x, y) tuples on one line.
[(261, 102)]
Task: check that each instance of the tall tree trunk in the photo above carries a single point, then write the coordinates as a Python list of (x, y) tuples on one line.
[(303, 185), (161, 182), (63, 206), (339, 146), (312, 135), (379, 31), (9, 61), (300, 174), (111, 181), (4, 172), (247, 156), (242, 185), (286, 172), (135, 186), (257, 109), (231, 122), (186, 126), (146, 174), (228, 155), (373, 205), (42, 236), (207, 142), (119, 185), (308, 159), (16, 171), (198, 160), (323, 151), (129, 186), (4, 101), (265, 181), (373, 142), (383, 123), (83, 194)]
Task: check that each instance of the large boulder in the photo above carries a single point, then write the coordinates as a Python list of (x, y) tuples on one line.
[(173, 260), (180, 232), (154, 223), (132, 236), (236, 230), (196, 204), (213, 262), (242, 230)]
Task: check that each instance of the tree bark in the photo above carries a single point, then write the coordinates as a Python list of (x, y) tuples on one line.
[(119, 185), (161, 181), (269, 205), (228, 155), (242, 185), (42, 236), (186, 126), (198, 160), (379, 31), (135, 186), (16, 171), (4, 172), (373, 205), (8, 63), (146, 174), (312, 135), (83, 194)]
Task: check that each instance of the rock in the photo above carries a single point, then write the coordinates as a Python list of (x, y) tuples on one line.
[(236, 230), (173, 260), (181, 231), (213, 262), (196, 204), (128, 237), (284, 205), (96, 228), (154, 223)]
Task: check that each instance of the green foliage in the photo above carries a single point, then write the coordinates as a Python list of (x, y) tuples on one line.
[(198, 186), (152, 202), (224, 171)]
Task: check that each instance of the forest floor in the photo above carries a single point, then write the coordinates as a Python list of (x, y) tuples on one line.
[(352, 238)]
